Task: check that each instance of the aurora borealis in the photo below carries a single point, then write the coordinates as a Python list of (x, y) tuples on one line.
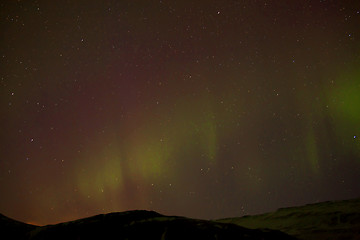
[(204, 109)]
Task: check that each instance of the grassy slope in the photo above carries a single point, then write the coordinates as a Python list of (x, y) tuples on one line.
[(327, 220)]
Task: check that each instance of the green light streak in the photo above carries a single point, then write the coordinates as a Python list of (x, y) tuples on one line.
[(344, 107), (102, 174), (149, 157), (312, 150)]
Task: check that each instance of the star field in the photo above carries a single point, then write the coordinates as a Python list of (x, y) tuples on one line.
[(204, 109)]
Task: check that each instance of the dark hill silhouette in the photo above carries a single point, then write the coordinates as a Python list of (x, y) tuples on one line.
[(140, 225), (326, 220), (13, 228)]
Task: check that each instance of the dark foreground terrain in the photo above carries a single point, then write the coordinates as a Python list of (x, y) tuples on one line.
[(328, 220), (135, 225)]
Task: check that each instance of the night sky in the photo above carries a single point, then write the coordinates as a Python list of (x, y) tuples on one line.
[(204, 109)]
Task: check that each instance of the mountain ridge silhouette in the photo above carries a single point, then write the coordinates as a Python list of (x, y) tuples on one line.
[(325, 220)]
